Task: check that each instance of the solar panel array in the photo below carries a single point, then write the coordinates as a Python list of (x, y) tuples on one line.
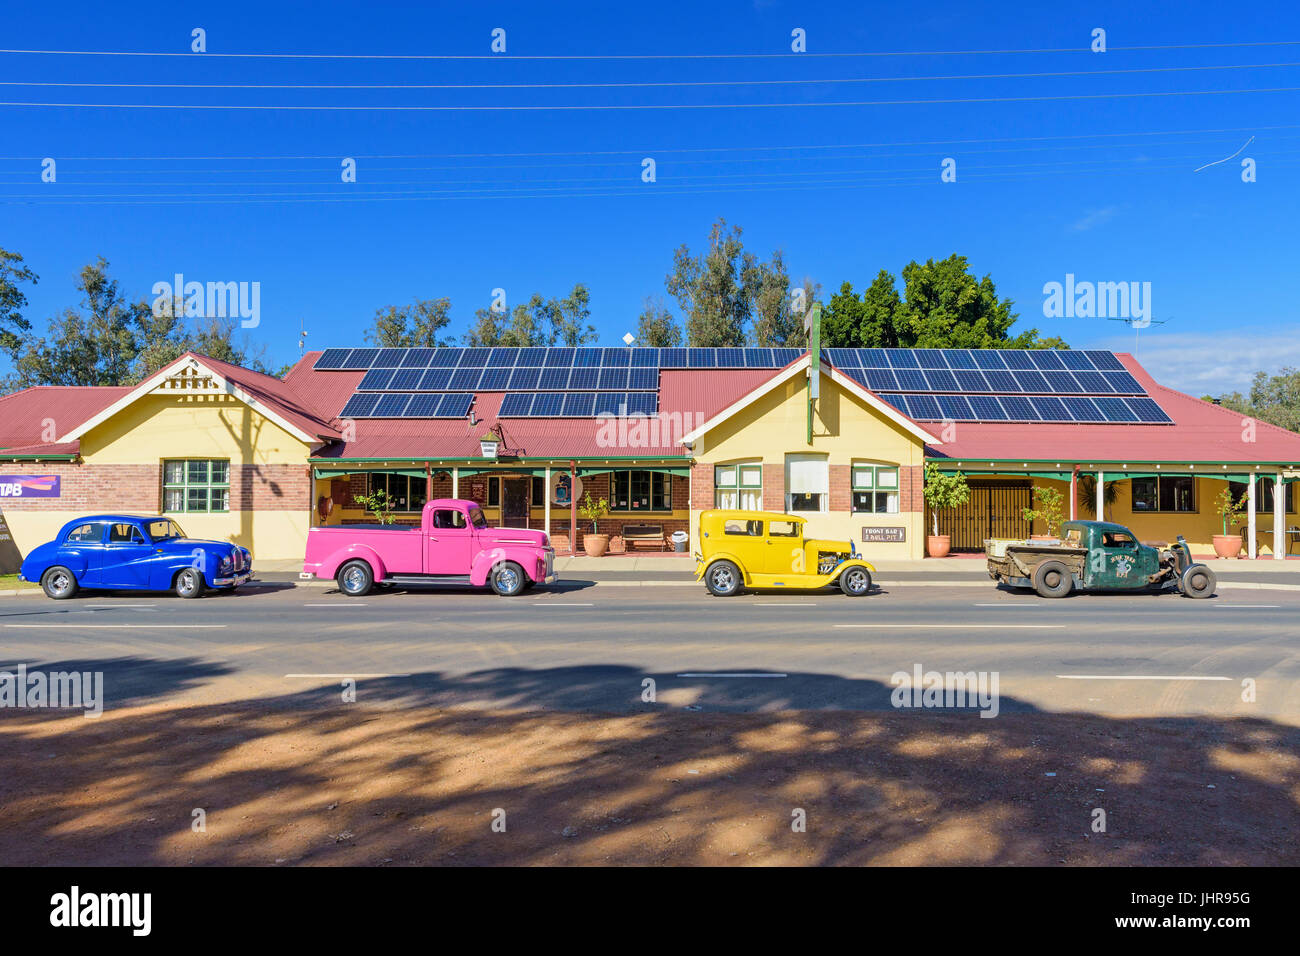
[(996, 385)]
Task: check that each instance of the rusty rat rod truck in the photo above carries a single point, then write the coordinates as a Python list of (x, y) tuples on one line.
[(1097, 556)]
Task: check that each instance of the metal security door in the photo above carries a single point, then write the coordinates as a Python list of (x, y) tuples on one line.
[(995, 510)]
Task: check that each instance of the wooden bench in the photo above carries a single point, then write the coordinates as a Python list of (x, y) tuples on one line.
[(634, 534)]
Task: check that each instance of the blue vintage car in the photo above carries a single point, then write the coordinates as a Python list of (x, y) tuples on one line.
[(127, 552)]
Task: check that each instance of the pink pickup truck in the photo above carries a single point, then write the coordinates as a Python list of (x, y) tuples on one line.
[(453, 545)]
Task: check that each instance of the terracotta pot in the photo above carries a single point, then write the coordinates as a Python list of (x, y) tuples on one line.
[(938, 545), (595, 545), (1042, 537), (1227, 545)]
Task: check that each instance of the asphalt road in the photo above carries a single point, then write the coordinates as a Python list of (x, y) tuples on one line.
[(590, 646)]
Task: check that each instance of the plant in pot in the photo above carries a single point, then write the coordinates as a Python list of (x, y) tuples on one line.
[(1229, 511), (942, 491), (593, 509), (379, 504), (1049, 509)]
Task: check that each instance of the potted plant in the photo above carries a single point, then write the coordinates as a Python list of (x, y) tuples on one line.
[(1049, 510), (1230, 513), (489, 444), (593, 509), (379, 504), (942, 491)]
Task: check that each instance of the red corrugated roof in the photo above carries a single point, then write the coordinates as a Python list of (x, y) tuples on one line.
[(28, 416), (1201, 432), (279, 394)]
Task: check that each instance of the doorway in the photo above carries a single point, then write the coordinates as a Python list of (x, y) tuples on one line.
[(995, 510), (514, 502)]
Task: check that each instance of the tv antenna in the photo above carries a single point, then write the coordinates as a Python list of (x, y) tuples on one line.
[(1137, 325), (302, 339)]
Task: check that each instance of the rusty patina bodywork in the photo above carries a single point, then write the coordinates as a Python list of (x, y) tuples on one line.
[(1097, 556)]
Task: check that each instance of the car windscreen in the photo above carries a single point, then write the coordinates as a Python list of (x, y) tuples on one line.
[(476, 518), (164, 529)]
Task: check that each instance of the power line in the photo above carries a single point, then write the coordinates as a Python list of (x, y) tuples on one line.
[(647, 56), (639, 107), (638, 84)]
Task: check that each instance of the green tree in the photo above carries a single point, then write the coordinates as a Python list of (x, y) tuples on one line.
[(12, 299), (656, 327), (571, 318), (411, 326), (710, 289), (1273, 398)]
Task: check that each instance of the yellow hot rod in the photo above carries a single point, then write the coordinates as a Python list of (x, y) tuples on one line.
[(767, 549)]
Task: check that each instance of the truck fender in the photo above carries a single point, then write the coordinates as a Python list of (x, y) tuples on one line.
[(484, 561), (330, 566), (723, 556)]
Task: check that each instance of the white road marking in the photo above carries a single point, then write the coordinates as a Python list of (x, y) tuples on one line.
[(170, 627), (338, 604), (963, 627), (1017, 604), (1244, 606), (555, 604), (115, 606), (782, 604), (712, 674), (1137, 677)]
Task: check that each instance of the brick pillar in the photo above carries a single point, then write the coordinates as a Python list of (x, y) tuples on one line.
[(773, 487), (841, 494), (911, 484), (701, 486)]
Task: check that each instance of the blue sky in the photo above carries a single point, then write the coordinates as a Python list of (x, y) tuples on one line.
[(464, 201)]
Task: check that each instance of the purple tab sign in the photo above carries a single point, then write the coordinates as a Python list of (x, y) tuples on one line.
[(29, 486)]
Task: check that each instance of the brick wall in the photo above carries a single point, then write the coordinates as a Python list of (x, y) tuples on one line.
[(93, 488), (774, 487), (701, 491), (841, 496), (911, 483), (270, 488)]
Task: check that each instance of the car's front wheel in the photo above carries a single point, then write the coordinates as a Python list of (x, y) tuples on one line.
[(1198, 581), (189, 583), (59, 583), (723, 579), (508, 579), (356, 579), (855, 582)]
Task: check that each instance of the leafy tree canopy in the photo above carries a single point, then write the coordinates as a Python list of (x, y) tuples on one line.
[(1273, 398)]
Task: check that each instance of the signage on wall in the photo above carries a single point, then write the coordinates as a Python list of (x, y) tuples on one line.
[(884, 535), (564, 489), (29, 486)]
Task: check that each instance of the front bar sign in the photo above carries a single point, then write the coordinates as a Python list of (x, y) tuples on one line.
[(884, 535)]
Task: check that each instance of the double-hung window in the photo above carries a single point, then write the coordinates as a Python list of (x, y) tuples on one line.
[(196, 485), (875, 489), (738, 485)]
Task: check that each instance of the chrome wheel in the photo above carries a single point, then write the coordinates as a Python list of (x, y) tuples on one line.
[(354, 579), (855, 582), (723, 579), (189, 584), (508, 579), (59, 583)]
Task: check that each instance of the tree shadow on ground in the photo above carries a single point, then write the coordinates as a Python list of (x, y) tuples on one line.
[(417, 771)]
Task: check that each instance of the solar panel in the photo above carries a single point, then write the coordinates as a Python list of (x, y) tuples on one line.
[(1105, 361), (391, 405), (931, 358), (554, 378), (495, 379), (405, 379), (912, 379), (783, 357), (1017, 360), (389, 358), (923, 407), (423, 406), (942, 380), (955, 407), (1147, 410), (435, 380), (643, 378), (359, 406), (1001, 381), (466, 378), (548, 404), (701, 358), (445, 358), (1124, 383), (611, 403), (645, 358), (1051, 409), (526, 377), (880, 379), (1082, 409), (971, 381), (455, 406), (758, 358), (642, 403), (1031, 381), (1115, 409), (376, 380), (613, 378), (587, 358), (516, 405), (1076, 360), (872, 358), (332, 359), (417, 358), (615, 358), (843, 358), (1062, 382), (584, 378), (987, 408), (532, 357), (557, 358), (502, 358), (672, 358), (473, 358), (579, 404), (1019, 408), (1093, 382), (958, 359), (360, 358), (1046, 359), (901, 358), (988, 358), (730, 358)]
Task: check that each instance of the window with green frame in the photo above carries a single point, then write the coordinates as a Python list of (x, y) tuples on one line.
[(738, 485), (875, 489), (196, 485), (641, 491)]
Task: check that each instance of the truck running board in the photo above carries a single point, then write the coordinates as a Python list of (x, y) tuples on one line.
[(427, 580)]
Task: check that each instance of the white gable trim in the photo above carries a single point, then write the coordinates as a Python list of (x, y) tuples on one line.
[(801, 366), (187, 362)]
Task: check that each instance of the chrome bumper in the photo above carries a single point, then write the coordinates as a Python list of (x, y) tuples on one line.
[(234, 580)]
